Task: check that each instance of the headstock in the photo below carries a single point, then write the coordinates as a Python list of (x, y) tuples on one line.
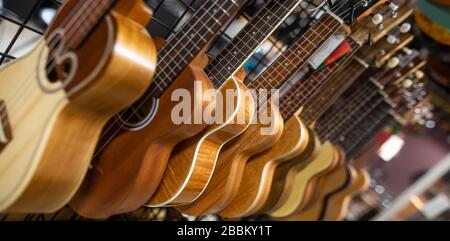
[(382, 21), (405, 97), (378, 54), (405, 62), (353, 11)]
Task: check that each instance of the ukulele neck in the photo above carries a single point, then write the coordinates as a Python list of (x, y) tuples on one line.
[(332, 90), (83, 17), (188, 42), (296, 56), (240, 49), (302, 91)]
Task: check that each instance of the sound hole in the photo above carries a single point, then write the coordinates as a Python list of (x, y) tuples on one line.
[(61, 62), (5, 126), (139, 115)]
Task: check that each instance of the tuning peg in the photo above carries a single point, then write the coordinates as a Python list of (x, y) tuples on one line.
[(405, 28), (377, 19), (419, 74), (393, 62), (370, 39), (394, 7), (392, 39), (407, 83), (407, 51)]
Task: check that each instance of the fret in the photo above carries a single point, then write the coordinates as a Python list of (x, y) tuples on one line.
[(224, 11), (235, 3), (358, 93), (248, 40)]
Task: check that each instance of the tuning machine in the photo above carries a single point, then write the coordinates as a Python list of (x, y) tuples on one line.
[(394, 8)]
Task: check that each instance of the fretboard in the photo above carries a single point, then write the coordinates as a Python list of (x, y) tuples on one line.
[(240, 49), (331, 91), (354, 150), (85, 15), (352, 130), (360, 132), (297, 55), (302, 91), (359, 101), (181, 49)]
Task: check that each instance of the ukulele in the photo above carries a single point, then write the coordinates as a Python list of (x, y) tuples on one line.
[(133, 155), (339, 179), (52, 117), (258, 170), (348, 139), (285, 174), (183, 185), (304, 176), (264, 23)]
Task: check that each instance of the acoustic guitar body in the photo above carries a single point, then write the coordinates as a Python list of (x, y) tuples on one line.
[(193, 161), (259, 170), (330, 183), (230, 165), (338, 204), (55, 126), (285, 174)]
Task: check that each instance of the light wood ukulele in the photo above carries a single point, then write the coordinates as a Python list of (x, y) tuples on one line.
[(260, 169), (229, 163), (193, 160), (306, 174), (134, 153), (372, 114), (284, 178), (337, 205), (79, 75)]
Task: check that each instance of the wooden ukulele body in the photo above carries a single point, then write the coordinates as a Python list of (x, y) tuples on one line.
[(259, 170), (301, 181), (128, 171), (55, 131), (338, 204), (328, 184), (285, 174), (230, 165), (193, 161)]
